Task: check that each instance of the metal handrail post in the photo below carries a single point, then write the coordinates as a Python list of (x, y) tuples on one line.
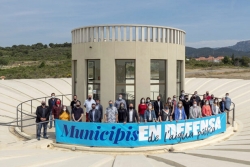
[(21, 117), (31, 105), (233, 115), (62, 99), (17, 115)]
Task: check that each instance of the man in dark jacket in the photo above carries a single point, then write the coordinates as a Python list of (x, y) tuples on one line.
[(99, 107), (42, 113), (94, 114), (51, 103), (132, 115), (158, 106)]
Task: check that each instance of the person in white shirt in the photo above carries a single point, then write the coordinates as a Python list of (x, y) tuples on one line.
[(132, 115), (88, 105), (215, 107)]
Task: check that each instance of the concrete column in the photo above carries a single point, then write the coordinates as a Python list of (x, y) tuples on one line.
[(159, 35), (168, 35), (136, 34), (124, 33), (148, 36), (142, 34), (119, 34), (154, 34), (107, 33), (130, 33), (171, 77), (183, 74), (101, 33), (92, 34), (164, 35), (113, 33)]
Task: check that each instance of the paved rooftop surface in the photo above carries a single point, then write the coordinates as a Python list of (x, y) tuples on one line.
[(234, 151)]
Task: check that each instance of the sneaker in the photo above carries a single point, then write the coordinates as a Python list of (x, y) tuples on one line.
[(38, 138), (45, 137), (228, 122)]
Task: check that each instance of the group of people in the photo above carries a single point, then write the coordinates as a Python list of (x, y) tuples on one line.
[(118, 112)]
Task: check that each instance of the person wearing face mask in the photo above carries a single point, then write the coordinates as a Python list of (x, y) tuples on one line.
[(227, 106), (88, 105), (56, 109), (195, 111), (158, 106), (170, 107), (206, 109), (165, 113), (132, 116), (99, 107), (174, 103), (207, 95), (94, 114), (42, 115), (180, 112), (64, 114), (148, 100), (77, 113), (222, 104), (142, 107), (51, 102), (73, 102), (215, 107), (182, 96), (149, 115), (187, 104), (211, 101), (203, 100), (122, 114), (111, 115), (119, 101)]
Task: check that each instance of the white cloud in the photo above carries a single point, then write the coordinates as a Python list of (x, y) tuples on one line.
[(213, 43)]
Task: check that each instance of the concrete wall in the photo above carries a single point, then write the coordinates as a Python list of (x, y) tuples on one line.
[(142, 52)]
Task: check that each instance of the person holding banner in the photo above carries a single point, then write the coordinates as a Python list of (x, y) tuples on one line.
[(180, 112), (111, 115), (149, 115), (158, 106), (195, 111), (94, 114), (77, 113), (165, 114), (206, 109), (132, 116), (122, 113), (142, 107)]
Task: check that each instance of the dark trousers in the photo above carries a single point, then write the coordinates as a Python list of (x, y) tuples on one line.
[(39, 129), (51, 122)]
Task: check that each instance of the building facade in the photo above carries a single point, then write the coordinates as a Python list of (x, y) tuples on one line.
[(133, 60)]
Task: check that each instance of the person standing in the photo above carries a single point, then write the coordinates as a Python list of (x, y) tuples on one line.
[(120, 100), (182, 96), (77, 113), (170, 107), (99, 107), (149, 115), (111, 115), (88, 105), (64, 114), (56, 110), (148, 100), (187, 104), (180, 112), (197, 98), (73, 102), (132, 115), (195, 111), (222, 105), (227, 106), (122, 113), (51, 103), (94, 114), (165, 113), (211, 101), (206, 109), (42, 115), (203, 102), (215, 107), (158, 107), (142, 107), (208, 96), (174, 104)]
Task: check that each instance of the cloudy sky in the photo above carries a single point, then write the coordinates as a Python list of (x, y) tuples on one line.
[(210, 23)]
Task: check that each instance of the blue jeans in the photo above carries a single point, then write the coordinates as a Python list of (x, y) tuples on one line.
[(50, 118), (39, 129), (141, 118)]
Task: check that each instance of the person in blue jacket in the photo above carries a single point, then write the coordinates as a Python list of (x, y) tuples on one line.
[(180, 112)]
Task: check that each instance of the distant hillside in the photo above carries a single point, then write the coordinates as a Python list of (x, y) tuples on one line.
[(241, 46)]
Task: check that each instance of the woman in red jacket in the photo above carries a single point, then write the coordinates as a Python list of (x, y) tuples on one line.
[(142, 107), (206, 109)]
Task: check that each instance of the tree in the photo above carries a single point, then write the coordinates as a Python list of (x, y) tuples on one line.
[(1, 53), (51, 45), (245, 61), (3, 62), (226, 60), (42, 65), (232, 59)]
